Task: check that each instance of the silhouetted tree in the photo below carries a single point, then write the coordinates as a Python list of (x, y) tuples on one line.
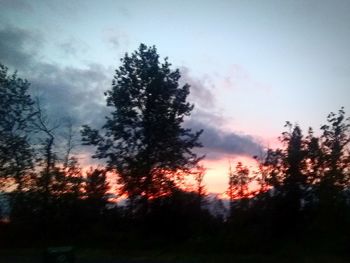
[(74, 177), (238, 189), (335, 148), (16, 152), (261, 176), (96, 188), (72, 183), (16, 115), (48, 157), (331, 170), (294, 182), (144, 141), (287, 175)]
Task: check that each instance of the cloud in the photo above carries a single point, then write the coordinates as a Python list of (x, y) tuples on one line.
[(116, 39), (68, 48), (19, 47), (77, 94), (218, 142), (201, 89), (72, 93), (72, 47), (20, 5), (239, 78), (67, 10), (66, 92), (209, 116)]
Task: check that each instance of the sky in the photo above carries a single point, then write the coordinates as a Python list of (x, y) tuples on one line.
[(252, 65)]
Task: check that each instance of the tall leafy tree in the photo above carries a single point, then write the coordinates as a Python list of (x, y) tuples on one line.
[(335, 147), (16, 114), (294, 166), (143, 139), (285, 170), (287, 166), (334, 176)]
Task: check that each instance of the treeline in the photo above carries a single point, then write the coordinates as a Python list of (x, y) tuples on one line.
[(302, 201), (48, 195)]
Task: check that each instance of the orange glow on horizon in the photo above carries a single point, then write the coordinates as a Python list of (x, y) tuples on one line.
[(215, 178)]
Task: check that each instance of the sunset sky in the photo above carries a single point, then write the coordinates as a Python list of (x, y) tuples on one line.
[(252, 65)]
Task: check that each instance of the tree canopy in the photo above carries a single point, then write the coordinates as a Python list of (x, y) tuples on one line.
[(16, 114), (143, 139)]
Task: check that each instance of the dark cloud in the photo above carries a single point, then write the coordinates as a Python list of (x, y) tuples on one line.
[(77, 94), (66, 92), (72, 93), (218, 142), (201, 89), (209, 116), (18, 47)]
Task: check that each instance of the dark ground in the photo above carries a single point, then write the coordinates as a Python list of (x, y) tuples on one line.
[(108, 256)]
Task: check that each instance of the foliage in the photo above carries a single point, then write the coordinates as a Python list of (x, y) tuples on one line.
[(143, 139), (16, 114), (96, 188), (303, 202)]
